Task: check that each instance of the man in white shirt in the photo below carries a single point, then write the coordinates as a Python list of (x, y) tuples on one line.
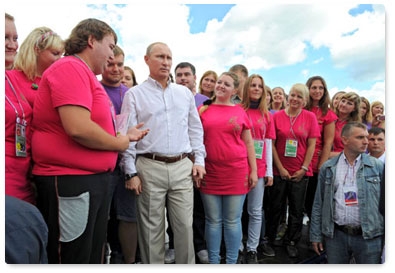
[(160, 169)]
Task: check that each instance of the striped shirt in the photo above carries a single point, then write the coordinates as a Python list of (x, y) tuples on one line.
[(346, 212)]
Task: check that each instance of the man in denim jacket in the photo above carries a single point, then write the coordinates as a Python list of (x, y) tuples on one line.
[(346, 206)]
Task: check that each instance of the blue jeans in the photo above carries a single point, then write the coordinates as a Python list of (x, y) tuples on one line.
[(341, 246), (255, 215), (223, 212)]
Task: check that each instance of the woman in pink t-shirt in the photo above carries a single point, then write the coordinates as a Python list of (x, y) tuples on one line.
[(346, 111), (262, 131), (319, 105), (296, 134), (230, 167), (18, 116)]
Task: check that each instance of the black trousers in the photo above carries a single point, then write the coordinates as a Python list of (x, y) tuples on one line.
[(295, 192), (75, 208), (310, 194)]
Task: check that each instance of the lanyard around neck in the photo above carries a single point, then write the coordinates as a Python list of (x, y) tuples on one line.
[(292, 122), (252, 125), (13, 106)]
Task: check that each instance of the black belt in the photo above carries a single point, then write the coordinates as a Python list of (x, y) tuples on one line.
[(350, 230), (166, 159)]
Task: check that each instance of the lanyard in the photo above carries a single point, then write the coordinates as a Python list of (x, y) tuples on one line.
[(18, 120), (112, 109), (292, 122), (349, 178), (252, 126)]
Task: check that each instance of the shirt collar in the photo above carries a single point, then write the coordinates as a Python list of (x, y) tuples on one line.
[(155, 82), (357, 160)]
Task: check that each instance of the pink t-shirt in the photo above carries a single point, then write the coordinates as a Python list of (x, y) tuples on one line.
[(17, 168), (263, 127), (338, 145), (322, 122), (26, 86), (226, 161), (305, 126), (69, 81)]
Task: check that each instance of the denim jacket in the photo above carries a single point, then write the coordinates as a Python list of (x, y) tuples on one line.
[(368, 183)]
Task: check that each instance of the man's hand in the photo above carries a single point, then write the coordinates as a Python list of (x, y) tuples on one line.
[(134, 183), (318, 248), (135, 134), (198, 173)]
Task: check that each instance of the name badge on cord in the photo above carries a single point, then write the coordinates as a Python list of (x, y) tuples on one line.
[(350, 195), (20, 140), (291, 147), (258, 145)]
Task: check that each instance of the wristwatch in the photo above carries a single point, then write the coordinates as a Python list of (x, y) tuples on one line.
[(130, 176)]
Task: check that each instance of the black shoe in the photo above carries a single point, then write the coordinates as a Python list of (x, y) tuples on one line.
[(251, 258), (240, 258), (266, 250), (292, 250), (278, 242)]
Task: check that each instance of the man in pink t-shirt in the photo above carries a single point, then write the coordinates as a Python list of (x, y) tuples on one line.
[(75, 146)]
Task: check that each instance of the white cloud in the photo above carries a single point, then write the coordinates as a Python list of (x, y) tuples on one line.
[(261, 36)]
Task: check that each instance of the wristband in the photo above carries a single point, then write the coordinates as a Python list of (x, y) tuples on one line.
[(130, 176), (305, 168)]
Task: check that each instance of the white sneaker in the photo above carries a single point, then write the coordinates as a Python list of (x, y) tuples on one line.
[(203, 256), (169, 256)]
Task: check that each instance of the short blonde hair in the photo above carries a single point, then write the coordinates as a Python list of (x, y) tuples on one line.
[(301, 89), (40, 38)]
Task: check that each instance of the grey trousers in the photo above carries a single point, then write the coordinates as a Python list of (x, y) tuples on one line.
[(160, 182)]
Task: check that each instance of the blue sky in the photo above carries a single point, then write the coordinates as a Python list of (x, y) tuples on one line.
[(285, 43), (200, 14), (346, 43)]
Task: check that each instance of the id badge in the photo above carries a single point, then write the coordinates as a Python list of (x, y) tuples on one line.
[(20, 140), (258, 145), (350, 196), (291, 147)]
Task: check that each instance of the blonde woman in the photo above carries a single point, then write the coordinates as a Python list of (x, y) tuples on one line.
[(41, 48), (377, 110), (293, 149)]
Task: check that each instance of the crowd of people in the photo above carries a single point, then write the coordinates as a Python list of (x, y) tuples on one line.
[(231, 166)]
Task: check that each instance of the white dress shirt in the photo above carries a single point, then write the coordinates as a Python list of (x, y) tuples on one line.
[(172, 118)]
